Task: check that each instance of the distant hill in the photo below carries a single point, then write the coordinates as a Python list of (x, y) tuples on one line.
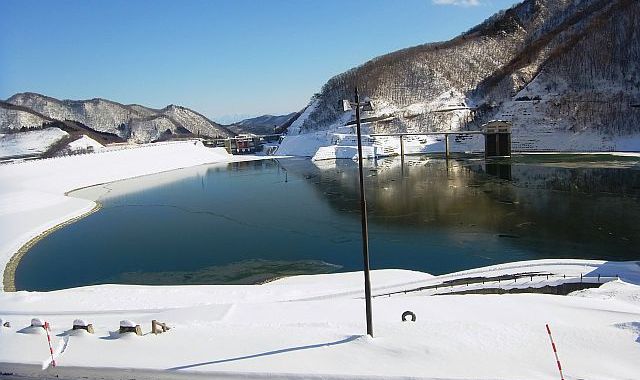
[(261, 125), (565, 72), (14, 118), (134, 123)]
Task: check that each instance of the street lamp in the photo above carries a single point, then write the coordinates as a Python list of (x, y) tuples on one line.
[(366, 105)]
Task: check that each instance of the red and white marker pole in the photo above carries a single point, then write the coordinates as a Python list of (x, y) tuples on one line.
[(555, 352), (46, 328)]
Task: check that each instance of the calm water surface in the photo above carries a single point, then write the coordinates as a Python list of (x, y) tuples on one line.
[(247, 222)]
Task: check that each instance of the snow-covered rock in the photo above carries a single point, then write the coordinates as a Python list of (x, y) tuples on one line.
[(127, 323)]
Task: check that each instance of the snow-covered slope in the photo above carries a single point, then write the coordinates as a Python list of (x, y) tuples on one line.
[(193, 121), (565, 72), (150, 128), (127, 121), (29, 143)]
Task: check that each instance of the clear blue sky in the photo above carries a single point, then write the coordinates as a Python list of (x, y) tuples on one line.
[(219, 57)]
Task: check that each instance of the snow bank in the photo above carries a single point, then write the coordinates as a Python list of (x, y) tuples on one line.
[(305, 145), (343, 152), (84, 143), (277, 330), (614, 290), (332, 144)]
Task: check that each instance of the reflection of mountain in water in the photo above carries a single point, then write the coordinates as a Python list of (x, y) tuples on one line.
[(255, 220), (557, 211)]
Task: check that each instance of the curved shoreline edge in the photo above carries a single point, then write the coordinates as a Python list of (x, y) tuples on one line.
[(61, 176), (9, 270), (9, 275)]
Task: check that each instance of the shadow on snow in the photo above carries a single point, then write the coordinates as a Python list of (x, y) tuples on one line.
[(275, 352)]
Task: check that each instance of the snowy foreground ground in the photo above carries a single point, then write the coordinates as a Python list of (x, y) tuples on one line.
[(308, 326), (304, 326)]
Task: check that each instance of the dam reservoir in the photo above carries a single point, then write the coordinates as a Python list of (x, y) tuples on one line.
[(245, 223)]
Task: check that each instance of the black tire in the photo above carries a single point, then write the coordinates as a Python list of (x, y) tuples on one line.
[(407, 314)]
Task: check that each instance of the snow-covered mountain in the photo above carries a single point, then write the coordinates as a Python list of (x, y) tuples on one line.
[(131, 122), (566, 72), (261, 125), (13, 118)]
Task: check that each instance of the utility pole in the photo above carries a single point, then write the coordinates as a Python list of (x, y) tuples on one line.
[(363, 212)]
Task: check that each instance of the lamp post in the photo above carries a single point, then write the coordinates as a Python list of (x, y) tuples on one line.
[(366, 105)]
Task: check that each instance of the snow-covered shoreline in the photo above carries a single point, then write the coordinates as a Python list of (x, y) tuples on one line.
[(313, 327), (303, 326), (339, 142), (33, 194)]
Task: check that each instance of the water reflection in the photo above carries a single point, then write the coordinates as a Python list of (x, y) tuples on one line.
[(252, 220), (500, 170), (551, 210)]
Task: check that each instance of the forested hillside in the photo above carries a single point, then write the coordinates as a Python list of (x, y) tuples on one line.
[(565, 72)]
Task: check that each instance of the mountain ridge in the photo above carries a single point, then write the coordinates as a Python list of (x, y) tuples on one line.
[(262, 125), (133, 122)]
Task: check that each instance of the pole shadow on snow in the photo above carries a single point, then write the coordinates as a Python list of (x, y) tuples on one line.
[(275, 352)]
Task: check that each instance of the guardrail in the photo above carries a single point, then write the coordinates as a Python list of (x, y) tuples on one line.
[(504, 283)]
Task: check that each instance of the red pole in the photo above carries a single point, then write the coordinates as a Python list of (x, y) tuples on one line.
[(555, 352), (46, 328)]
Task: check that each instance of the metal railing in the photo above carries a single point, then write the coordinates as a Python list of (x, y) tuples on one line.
[(504, 283)]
